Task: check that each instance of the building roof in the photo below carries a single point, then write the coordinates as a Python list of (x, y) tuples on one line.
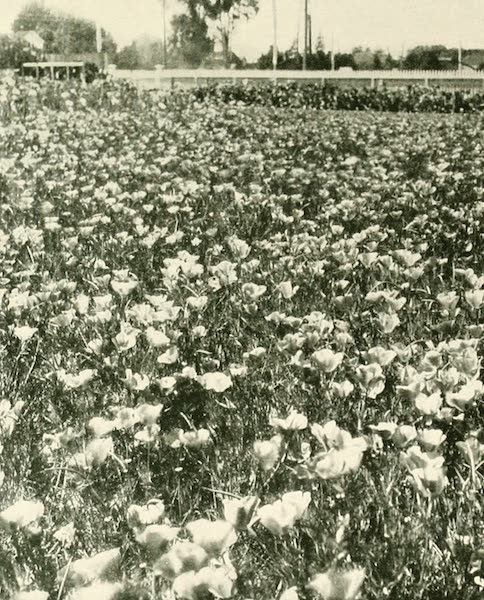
[(48, 64)]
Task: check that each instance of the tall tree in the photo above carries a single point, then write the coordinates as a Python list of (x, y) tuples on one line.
[(430, 58), (225, 14), (190, 42), (62, 33)]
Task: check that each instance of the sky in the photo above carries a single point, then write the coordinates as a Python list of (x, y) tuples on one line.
[(393, 25)]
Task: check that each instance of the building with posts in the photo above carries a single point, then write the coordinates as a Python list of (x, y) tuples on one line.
[(55, 70)]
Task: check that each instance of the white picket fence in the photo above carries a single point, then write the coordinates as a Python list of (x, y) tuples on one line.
[(171, 78)]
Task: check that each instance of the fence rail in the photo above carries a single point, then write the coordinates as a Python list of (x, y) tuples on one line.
[(170, 78)]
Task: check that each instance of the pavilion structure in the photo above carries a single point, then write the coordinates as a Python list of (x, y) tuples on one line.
[(55, 70)]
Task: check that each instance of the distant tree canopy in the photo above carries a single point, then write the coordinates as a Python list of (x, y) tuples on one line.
[(144, 53), (319, 60), (14, 52), (190, 41), (431, 58), (224, 14), (62, 33)]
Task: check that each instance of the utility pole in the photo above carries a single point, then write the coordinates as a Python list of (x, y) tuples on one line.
[(165, 57), (332, 52), (459, 58), (310, 35), (305, 55), (274, 43), (99, 38)]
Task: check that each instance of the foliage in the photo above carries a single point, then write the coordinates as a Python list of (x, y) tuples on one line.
[(14, 52), (128, 57), (431, 57), (62, 33), (225, 13), (190, 41), (340, 97), (321, 60)]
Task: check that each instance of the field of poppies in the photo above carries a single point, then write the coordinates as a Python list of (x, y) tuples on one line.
[(240, 350)]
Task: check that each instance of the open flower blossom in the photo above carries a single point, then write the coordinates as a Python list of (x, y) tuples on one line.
[(326, 360), (290, 594), (371, 379), (379, 354), (98, 450), (466, 396), (252, 291), (404, 435), (137, 382), (429, 404), (216, 382), (25, 333), (240, 512), (101, 566), (195, 585), (281, 516), (293, 422), (34, 595), (149, 413), (123, 283), (9, 415), (183, 556), (156, 537), (431, 439), (338, 585), (24, 514), (213, 536), (100, 427), (475, 298), (100, 590), (267, 452), (342, 454), (75, 382), (427, 471), (150, 513), (429, 481), (287, 290)]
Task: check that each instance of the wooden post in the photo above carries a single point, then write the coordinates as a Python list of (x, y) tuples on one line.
[(274, 42), (305, 55)]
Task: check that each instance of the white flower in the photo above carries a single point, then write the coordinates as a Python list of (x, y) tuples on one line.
[(23, 514), (25, 332), (100, 590), (216, 381), (338, 585), (34, 595), (280, 516), (293, 422), (213, 536), (87, 570)]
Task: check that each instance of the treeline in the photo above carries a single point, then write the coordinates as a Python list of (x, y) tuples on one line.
[(192, 43), (419, 58)]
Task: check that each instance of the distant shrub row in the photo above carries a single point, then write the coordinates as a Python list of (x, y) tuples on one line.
[(295, 95)]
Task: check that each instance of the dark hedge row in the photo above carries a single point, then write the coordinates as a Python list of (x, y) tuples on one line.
[(295, 95)]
